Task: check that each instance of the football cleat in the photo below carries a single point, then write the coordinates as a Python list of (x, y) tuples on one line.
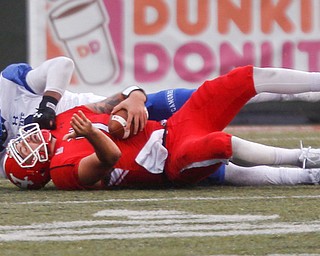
[(309, 157)]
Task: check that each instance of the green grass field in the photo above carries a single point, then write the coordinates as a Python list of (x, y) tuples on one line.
[(221, 220)]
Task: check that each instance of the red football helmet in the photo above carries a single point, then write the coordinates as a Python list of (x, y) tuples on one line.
[(35, 177), (30, 171)]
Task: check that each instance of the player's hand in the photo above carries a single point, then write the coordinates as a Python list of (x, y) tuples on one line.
[(46, 114), (81, 125), (45, 117), (137, 112)]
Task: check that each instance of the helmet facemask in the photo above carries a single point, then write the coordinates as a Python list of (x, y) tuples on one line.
[(27, 133)]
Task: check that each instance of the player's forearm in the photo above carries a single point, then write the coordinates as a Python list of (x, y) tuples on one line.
[(55, 95), (106, 106), (106, 150), (97, 165)]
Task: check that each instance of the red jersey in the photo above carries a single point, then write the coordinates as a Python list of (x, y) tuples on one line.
[(64, 164), (195, 140)]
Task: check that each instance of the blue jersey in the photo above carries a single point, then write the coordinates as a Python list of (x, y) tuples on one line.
[(163, 104)]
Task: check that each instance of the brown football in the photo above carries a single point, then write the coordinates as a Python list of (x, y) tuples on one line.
[(117, 124)]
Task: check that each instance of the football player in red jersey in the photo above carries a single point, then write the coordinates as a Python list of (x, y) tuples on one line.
[(186, 150)]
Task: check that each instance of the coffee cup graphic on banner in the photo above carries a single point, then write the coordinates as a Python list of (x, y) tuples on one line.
[(82, 26)]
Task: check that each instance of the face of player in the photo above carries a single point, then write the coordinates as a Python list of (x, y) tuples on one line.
[(33, 141)]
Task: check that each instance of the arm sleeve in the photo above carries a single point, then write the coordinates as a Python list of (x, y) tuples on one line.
[(52, 75), (17, 73), (164, 104)]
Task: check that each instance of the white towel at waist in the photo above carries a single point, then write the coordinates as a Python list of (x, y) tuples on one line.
[(153, 155)]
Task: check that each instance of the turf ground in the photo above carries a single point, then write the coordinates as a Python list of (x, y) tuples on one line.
[(220, 220)]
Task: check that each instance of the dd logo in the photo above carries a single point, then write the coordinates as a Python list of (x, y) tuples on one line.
[(91, 48)]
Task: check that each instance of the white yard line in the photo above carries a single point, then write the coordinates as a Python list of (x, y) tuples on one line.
[(166, 224), (164, 199)]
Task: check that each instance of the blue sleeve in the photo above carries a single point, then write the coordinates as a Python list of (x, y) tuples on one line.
[(17, 73), (163, 104)]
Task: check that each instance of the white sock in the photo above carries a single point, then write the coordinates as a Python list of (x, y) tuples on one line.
[(285, 81), (247, 153), (265, 175), (267, 97)]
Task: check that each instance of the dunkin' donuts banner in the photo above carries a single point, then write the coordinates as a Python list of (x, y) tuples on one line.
[(161, 44)]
